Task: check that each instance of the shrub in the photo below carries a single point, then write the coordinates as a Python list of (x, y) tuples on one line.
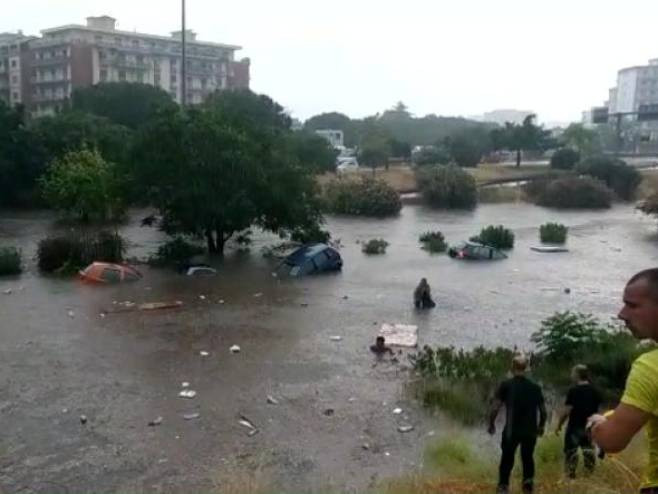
[(310, 235), (176, 251), (463, 402), (615, 173), (367, 197), (495, 236), (433, 242), (375, 246), (73, 252), (554, 233), (10, 261), (576, 192), (565, 159), (431, 155), (447, 187)]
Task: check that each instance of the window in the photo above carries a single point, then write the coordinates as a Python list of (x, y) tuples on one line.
[(173, 78), (103, 75), (14, 63), (122, 75), (14, 79), (111, 275)]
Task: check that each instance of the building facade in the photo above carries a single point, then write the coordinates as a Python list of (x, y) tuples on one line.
[(14, 65), (73, 56)]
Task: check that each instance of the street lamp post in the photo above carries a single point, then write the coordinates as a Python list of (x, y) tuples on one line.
[(183, 68)]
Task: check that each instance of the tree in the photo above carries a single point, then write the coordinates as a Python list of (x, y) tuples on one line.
[(432, 155), (467, 147), (212, 173), (524, 137), (83, 184), (582, 139), (565, 159), (374, 145), (314, 151), (400, 149), (242, 108), (334, 121), (125, 103)]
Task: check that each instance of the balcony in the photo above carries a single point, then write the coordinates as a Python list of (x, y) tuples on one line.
[(41, 62)]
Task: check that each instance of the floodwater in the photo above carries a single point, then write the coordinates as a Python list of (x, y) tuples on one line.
[(60, 359)]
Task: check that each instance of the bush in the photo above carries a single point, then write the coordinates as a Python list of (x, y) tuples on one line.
[(431, 155), (447, 187), (553, 233), (463, 402), (565, 159), (495, 236), (375, 246), (10, 261), (615, 173), (433, 242), (576, 192), (367, 197), (176, 251), (310, 235), (73, 252)]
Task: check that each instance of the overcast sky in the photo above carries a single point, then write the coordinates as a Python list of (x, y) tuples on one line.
[(359, 57)]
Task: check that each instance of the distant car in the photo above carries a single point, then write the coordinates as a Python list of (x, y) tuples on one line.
[(475, 251), (311, 259), (347, 164)]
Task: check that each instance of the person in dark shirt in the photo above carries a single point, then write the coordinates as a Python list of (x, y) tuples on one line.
[(583, 401), (379, 348), (525, 421)]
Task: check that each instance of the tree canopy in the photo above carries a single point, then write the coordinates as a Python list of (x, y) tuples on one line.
[(524, 137), (125, 103)]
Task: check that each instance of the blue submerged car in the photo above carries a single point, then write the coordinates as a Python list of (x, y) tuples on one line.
[(311, 259)]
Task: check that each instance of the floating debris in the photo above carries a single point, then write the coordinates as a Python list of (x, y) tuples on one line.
[(336, 338), (258, 295), (397, 411), (271, 400), (235, 349), (185, 384), (71, 313), (187, 393), (329, 412), (191, 416), (155, 422), (83, 419), (245, 422), (405, 428), (203, 353)]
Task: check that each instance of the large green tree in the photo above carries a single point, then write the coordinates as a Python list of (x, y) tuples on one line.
[(212, 172), (82, 184), (524, 137), (125, 103), (374, 144), (585, 141), (314, 151)]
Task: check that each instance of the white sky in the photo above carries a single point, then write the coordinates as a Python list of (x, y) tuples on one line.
[(359, 57)]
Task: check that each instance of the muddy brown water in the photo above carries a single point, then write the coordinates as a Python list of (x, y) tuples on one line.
[(125, 369)]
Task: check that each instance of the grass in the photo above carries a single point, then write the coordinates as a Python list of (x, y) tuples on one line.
[(457, 465)]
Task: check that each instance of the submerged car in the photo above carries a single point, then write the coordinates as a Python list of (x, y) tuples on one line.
[(311, 259), (105, 272), (473, 250)]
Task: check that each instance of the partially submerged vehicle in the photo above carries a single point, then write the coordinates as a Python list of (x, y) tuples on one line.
[(310, 259), (105, 272), (475, 251)]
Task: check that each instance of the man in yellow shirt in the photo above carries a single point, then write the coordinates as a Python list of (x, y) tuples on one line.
[(639, 403)]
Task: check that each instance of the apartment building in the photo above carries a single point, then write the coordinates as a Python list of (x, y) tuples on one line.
[(72, 56), (14, 64)]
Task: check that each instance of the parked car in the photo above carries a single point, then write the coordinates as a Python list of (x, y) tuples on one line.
[(347, 164), (475, 251), (310, 259)]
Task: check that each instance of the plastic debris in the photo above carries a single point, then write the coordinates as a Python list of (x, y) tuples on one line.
[(397, 411), (235, 349), (202, 297), (71, 313), (221, 301), (187, 393), (245, 422), (405, 428), (191, 416), (257, 295), (185, 384), (102, 315), (304, 304), (335, 338), (7, 291), (351, 399), (203, 353), (83, 419), (155, 422), (365, 446), (567, 290), (329, 412), (157, 305), (387, 453), (271, 400)]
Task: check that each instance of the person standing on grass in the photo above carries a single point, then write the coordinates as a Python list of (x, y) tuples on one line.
[(525, 421), (639, 403), (583, 400)]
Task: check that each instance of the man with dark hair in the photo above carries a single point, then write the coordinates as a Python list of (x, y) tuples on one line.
[(524, 403), (583, 400), (639, 403)]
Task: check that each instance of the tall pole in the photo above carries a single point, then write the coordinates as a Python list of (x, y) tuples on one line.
[(183, 68)]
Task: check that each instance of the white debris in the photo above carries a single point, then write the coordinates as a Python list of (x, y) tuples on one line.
[(7, 291), (157, 421), (235, 349), (187, 393), (405, 428), (191, 416), (257, 295), (203, 353), (185, 384), (397, 411), (102, 314), (221, 301), (202, 297), (271, 400), (335, 338), (71, 313)]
